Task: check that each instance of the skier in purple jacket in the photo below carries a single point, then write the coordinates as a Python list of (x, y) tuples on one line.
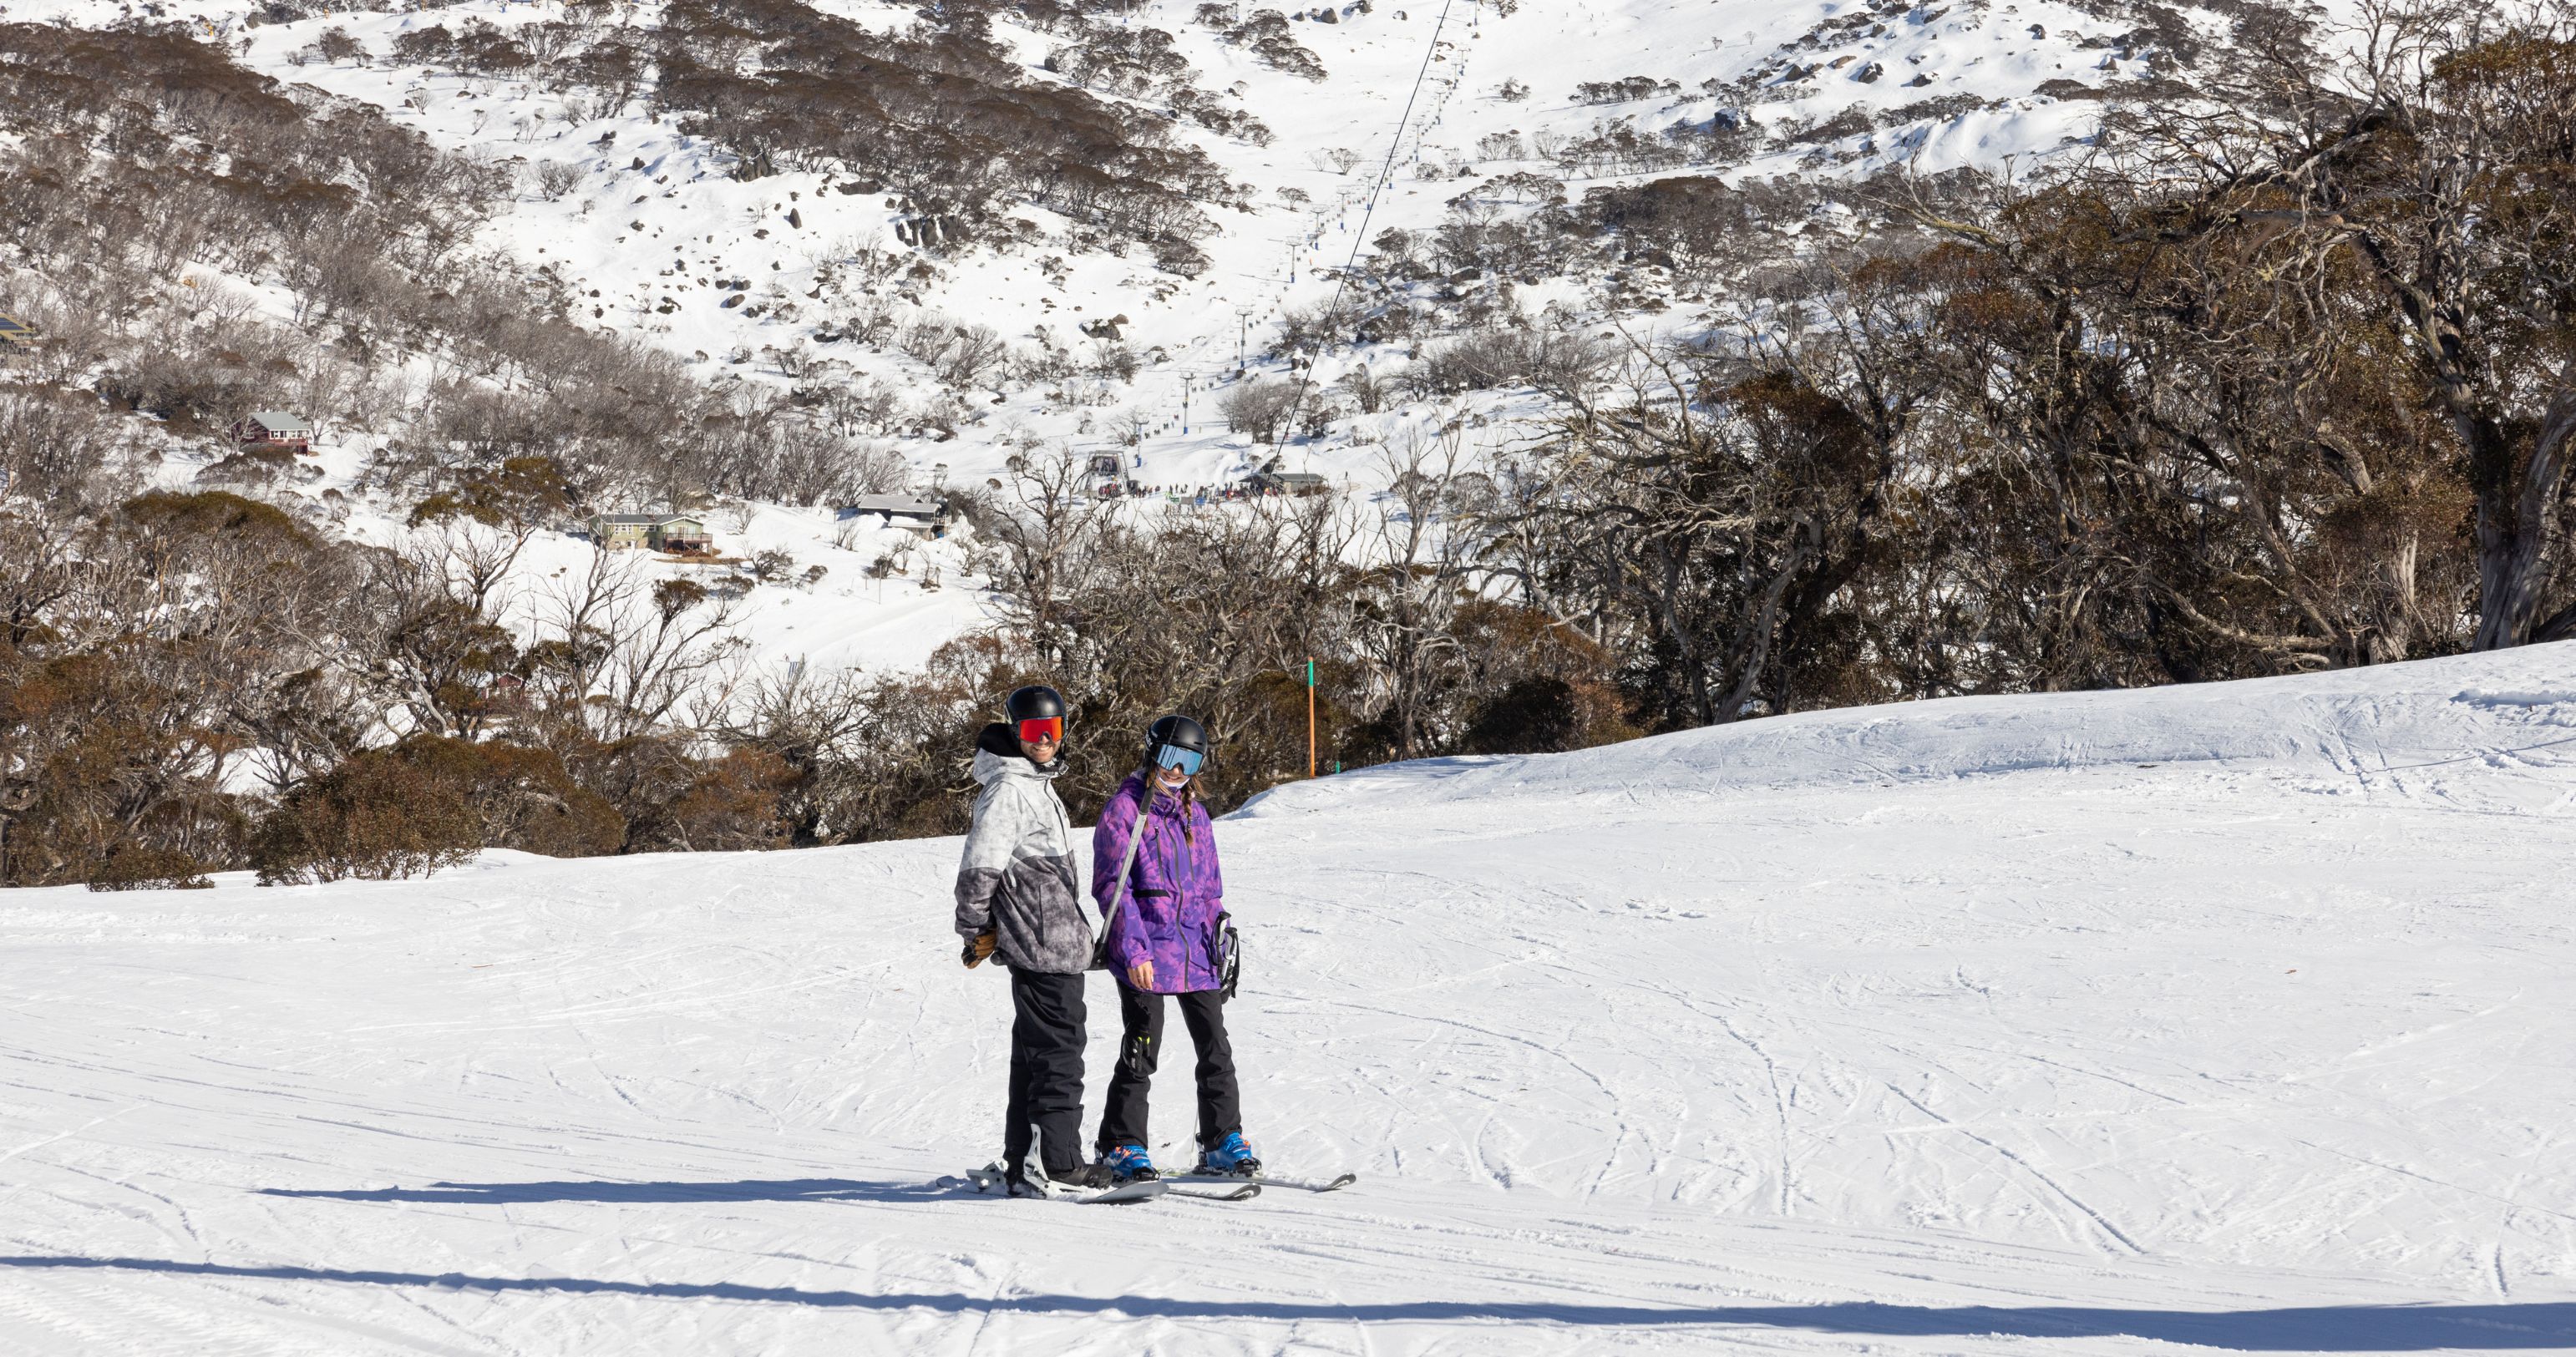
[(1167, 935)]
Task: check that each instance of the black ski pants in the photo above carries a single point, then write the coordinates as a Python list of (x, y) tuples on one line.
[(1046, 1070), (1220, 1101)]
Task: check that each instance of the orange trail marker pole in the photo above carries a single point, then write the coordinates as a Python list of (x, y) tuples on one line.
[(1310, 716)]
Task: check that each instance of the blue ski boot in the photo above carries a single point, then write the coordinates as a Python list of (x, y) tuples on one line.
[(1130, 1164), (1230, 1158)]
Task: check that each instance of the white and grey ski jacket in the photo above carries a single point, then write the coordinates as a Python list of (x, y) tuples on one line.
[(1017, 878)]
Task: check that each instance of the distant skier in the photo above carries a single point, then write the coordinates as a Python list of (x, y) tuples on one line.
[(1018, 895), (1167, 935)]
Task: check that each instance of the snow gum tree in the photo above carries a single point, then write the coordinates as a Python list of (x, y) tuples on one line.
[(2426, 194)]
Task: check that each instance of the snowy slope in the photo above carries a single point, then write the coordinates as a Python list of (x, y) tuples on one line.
[(2233, 1016)]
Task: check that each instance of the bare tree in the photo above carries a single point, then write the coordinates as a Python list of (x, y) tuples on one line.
[(441, 596), (974, 351), (621, 654), (1685, 531), (1405, 603), (1259, 407), (1046, 529), (337, 46), (555, 178)]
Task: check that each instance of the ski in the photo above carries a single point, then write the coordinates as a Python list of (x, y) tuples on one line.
[(988, 1180), (1268, 1180), (1243, 1192)]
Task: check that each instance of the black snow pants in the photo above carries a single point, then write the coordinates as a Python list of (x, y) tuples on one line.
[(1220, 1101), (1046, 1071)]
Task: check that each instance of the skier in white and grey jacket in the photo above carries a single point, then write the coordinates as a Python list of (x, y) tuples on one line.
[(1019, 896)]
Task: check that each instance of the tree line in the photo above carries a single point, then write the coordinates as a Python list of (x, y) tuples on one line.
[(2273, 377)]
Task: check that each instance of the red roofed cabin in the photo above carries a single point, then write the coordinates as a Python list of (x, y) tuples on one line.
[(275, 428)]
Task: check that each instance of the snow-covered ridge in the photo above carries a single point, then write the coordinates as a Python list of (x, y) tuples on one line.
[(2397, 725)]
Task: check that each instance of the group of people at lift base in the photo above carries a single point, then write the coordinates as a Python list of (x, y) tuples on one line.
[(1166, 935)]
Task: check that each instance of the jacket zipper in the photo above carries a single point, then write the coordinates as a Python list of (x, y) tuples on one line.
[(1187, 858)]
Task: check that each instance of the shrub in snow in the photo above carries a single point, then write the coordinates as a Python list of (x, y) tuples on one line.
[(378, 816)]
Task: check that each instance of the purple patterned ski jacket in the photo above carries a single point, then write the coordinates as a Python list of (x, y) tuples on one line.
[(1174, 892)]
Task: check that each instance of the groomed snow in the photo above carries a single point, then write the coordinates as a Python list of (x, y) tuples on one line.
[(2232, 1016)]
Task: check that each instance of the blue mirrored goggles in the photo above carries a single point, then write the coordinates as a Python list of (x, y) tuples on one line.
[(1183, 761)]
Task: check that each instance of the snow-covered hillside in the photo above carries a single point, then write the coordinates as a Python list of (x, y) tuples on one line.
[(637, 227), (2232, 1016), (658, 237)]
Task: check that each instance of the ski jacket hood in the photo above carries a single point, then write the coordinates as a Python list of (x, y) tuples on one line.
[(1174, 892), (1017, 876), (998, 754)]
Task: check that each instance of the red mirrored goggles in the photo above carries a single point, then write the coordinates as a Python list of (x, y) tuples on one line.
[(1042, 730)]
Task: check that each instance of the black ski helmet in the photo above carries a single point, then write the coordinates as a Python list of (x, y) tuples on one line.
[(1175, 732), (1033, 703)]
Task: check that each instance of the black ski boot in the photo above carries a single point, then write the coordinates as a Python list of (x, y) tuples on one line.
[(1083, 1177)]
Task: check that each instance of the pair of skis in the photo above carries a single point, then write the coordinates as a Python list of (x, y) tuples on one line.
[(989, 1179)]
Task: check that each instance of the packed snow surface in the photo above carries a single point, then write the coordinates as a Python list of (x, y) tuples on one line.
[(2232, 1016)]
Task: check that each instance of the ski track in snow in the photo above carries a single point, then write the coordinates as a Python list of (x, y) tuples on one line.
[(1921, 1029)]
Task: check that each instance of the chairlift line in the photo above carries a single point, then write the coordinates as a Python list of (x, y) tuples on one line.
[(1386, 176)]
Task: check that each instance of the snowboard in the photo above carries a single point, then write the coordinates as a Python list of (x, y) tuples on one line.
[(988, 1179)]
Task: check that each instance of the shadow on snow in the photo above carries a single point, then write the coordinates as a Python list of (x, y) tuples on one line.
[(755, 1190), (2326, 1328)]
